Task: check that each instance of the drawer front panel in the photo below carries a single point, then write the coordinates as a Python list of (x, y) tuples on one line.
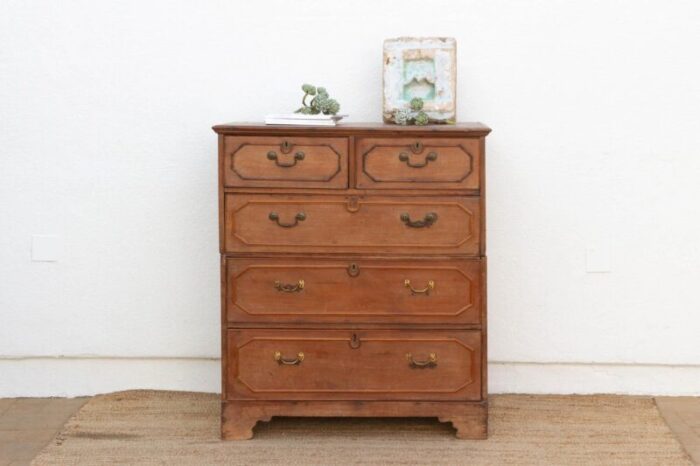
[(342, 224), (418, 163), (354, 364), (360, 291), (301, 162)]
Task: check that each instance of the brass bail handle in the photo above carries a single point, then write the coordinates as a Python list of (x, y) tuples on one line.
[(431, 157), (289, 362), (272, 155), (429, 219), (430, 362), (289, 288), (426, 291), (299, 217)]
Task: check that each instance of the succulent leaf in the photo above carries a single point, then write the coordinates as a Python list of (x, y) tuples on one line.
[(332, 107), (402, 117), (309, 89), (416, 104), (422, 118)]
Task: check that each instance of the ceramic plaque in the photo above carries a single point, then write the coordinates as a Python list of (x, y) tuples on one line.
[(421, 67)]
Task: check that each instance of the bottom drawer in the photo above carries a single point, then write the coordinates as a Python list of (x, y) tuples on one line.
[(353, 364)]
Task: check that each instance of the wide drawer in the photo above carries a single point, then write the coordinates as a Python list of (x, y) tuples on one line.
[(354, 364), (397, 225), (418, 163), (298, 290), (285, 162)]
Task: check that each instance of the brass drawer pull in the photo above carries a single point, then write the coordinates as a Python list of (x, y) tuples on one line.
[(289, 288), (425, 291), (272, 155), (431, 157), (299, 217), (289, 362), (428, 220), (430, 362)]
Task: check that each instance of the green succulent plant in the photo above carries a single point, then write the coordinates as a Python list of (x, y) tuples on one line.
[(413, 116), (422, 118), (321, 102), (402, 117)]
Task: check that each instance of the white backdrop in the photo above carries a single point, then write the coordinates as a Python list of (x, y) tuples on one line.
[(105, 142)]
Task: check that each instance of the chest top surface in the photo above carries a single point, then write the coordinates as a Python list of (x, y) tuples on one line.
[(474, 129)]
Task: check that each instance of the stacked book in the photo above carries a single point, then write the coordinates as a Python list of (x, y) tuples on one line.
[(299, 119)]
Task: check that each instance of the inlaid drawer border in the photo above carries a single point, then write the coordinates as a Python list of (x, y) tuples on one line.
[(321, 180), (353, 204), (470, 380), (458, 180), (472, 285)]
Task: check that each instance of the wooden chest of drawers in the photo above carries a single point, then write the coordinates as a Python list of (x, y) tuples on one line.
[(353, 273)]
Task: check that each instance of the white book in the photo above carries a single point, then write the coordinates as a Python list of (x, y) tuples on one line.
[(287, 121), (302, 116), (303, 120)]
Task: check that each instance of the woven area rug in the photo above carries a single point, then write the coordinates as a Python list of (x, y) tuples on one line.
[(155, 427)]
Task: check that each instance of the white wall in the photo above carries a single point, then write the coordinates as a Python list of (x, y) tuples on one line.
[(105, 141)]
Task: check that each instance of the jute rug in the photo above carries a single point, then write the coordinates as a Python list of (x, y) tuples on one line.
[(152, 427)]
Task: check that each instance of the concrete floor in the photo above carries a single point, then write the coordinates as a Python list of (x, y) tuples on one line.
[(682, 414), (29, 424)]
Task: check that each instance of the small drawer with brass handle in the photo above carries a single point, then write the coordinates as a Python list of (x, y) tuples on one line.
[(285, 162), (289, 362), (420, 163)]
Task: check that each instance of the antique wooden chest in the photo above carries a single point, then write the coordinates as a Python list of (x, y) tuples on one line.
[(353, 273)]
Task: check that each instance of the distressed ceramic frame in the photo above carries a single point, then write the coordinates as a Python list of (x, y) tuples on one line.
[(423, 67)]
